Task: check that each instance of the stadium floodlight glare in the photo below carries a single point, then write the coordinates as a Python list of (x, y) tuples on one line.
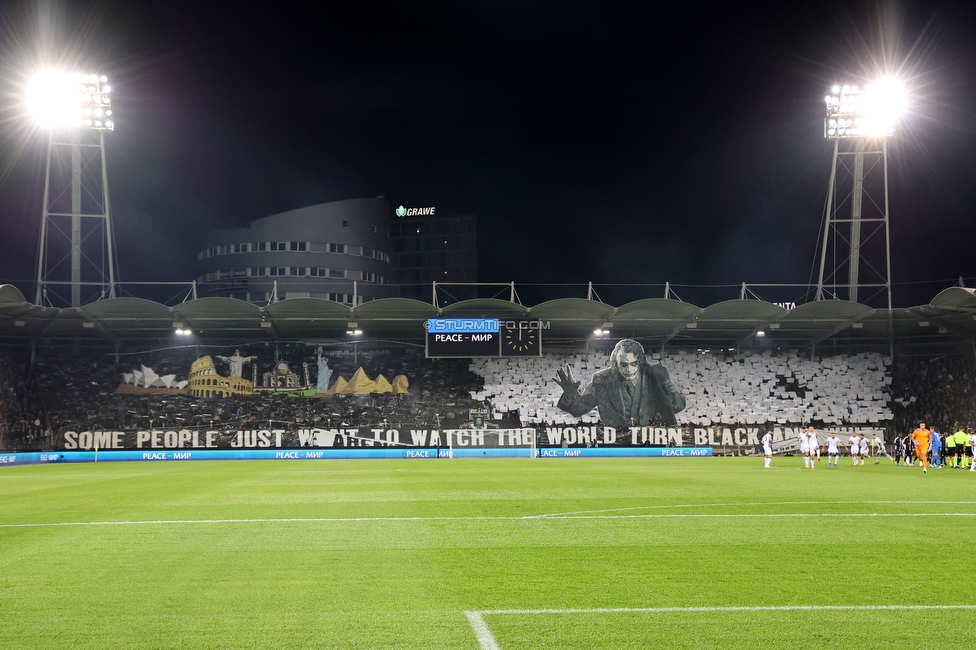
[(871, 112), (61, 100)]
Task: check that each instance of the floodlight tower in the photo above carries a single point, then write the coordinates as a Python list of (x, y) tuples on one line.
[(859, 121), (76, 248)]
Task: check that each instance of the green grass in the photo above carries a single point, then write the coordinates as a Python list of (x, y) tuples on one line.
[(391, 554)]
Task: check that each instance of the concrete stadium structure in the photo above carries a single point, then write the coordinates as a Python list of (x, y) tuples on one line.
[(338, 251)]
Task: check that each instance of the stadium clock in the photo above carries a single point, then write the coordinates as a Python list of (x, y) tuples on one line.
[(521, 342)]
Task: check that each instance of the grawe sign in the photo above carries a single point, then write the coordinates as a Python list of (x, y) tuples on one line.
[(415, 212)]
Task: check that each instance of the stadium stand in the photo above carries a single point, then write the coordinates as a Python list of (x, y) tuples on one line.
[(80, 392), (21, 416), (941, 391)]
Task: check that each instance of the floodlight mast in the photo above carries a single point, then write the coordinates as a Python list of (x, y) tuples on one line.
[(76, 110), (859, 121)]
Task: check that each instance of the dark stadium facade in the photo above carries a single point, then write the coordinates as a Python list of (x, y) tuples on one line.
[(338, 251)]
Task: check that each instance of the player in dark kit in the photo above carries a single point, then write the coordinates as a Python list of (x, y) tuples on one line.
[(899, 449)]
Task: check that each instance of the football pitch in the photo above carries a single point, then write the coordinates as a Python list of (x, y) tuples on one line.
[(487, 554)]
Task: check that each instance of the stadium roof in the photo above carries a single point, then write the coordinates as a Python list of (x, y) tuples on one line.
[(133, 321)]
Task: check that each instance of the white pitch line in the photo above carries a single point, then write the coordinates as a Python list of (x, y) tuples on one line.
[(742, 504), (758, 608), (768, 515), (761, 515), (485, 638), (277, 520)]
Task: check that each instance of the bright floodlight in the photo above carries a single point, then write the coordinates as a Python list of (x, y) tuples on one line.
[(871, 112), (59, 100)]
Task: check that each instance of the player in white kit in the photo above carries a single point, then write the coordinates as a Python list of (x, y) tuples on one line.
[(879, 449), (855, 444), (767, 443), (972, 441), (833, 454), (804, 447), (813, 444), (865, 450)]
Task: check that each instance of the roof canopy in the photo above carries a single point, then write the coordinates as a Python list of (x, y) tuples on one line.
[(952, 313)]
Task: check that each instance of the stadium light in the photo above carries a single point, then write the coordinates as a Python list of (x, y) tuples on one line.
[(870, 112), (60, 100), (71, 106)]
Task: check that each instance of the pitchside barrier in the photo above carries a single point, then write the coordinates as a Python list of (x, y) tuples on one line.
[(27, 458)]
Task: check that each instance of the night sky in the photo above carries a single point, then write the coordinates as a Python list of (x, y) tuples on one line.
[(619, 143)]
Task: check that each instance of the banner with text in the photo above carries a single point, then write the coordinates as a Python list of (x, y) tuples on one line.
[(735, 439)]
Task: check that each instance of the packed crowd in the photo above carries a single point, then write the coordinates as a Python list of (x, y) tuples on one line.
[(939, 391), (21, 419), (67, 391), (80, 393)]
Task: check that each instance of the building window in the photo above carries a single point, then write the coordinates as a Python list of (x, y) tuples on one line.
[(299, 245), (298, 270), (345, 223), (376, 229), (337, 248), (337, 273), (259, 246)]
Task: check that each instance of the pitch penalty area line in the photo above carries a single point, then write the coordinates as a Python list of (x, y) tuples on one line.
[(485, 638), (673, 506), (487, 641), (743, 608), (342, 520)]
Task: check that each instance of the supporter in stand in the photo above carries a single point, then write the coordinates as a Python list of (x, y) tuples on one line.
[(21, 416)]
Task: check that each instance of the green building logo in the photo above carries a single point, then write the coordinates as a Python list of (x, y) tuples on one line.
[(401, 211)]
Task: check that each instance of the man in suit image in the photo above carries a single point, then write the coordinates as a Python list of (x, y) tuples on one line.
[(631, 392)]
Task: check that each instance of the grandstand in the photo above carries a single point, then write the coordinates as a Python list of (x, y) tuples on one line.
[(740, 364)]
